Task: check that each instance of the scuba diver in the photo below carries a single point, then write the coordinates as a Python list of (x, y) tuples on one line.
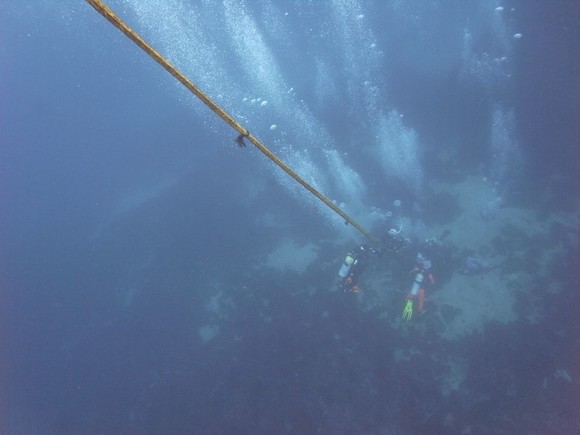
[(395, 241), (423, 279), (353, 266)]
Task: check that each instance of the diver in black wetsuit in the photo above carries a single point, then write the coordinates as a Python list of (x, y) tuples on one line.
[(353, 266)]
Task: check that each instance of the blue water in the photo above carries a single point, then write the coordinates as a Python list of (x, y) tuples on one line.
[(136, 292)]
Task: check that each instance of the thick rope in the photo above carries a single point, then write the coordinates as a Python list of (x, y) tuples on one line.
[(131, 34)]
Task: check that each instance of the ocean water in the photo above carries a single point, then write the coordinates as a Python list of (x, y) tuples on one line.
[(156, 278)]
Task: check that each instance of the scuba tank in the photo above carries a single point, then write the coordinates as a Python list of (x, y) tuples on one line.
[(348, 262), (417, 284)]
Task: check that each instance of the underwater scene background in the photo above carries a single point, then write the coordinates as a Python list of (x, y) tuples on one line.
[(157, 278)]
